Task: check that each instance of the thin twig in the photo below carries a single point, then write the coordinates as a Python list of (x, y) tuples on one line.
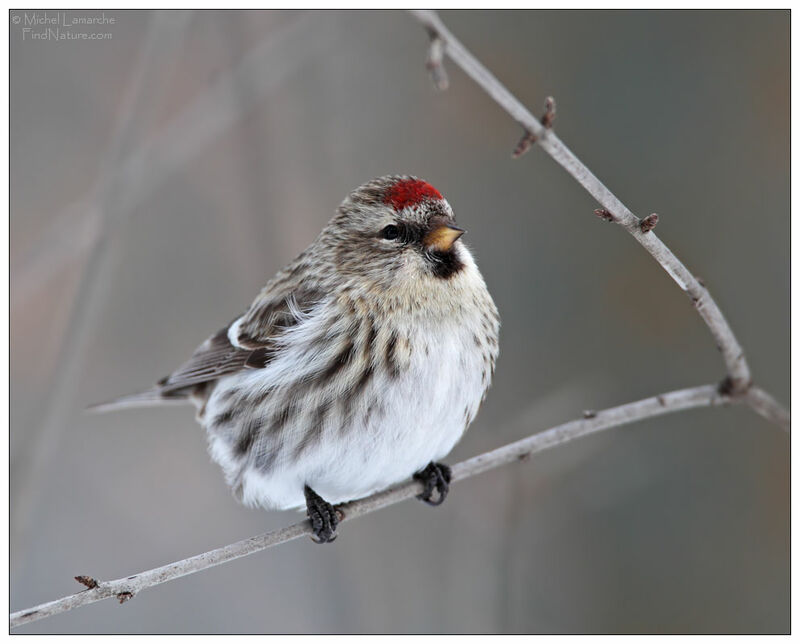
[(525, 144), (434, 64), (766, 406), (127, 587), (549, 116), (529, 138), (732, 354)]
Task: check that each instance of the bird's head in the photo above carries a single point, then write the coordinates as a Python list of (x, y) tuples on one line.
[(396, 230)]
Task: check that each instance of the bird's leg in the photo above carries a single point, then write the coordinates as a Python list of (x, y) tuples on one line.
[(323, 516), (434, 477)]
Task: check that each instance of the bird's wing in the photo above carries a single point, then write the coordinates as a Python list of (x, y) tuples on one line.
[(214, 358), (247, 343), (272, 314)]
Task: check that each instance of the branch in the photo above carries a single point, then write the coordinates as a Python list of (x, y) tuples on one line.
[(127, 587), (766, 406), (732, 354)]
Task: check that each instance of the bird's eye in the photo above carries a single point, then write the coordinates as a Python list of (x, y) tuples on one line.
[(390, 232)]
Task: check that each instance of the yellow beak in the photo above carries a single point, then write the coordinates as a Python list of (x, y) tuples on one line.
[(442, 237)]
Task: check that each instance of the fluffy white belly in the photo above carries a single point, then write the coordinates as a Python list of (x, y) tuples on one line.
[(401, 423)]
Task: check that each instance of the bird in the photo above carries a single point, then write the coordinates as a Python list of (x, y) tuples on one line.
[(360, 364)]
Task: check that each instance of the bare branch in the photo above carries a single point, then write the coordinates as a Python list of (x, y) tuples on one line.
[(434, 64), (525, 144), (732, 353), (591, 422), (767, 407), (529, 138), (549, 115)]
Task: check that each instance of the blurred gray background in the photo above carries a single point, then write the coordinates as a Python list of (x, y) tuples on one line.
[(160, 176)]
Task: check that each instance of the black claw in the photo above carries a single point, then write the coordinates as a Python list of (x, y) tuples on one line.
[(434, 477), (323, 516)]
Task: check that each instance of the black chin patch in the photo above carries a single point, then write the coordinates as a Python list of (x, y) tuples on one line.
[(444, 264)]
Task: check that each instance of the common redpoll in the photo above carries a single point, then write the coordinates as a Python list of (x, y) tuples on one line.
[(359, 364)]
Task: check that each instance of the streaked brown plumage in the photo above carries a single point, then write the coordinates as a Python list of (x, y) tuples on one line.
[(358, 364)]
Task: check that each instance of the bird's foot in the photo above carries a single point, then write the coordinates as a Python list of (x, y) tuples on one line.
[(434, 477), (323, 516)]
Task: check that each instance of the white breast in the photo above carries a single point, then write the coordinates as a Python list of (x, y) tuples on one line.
[(417, 416)]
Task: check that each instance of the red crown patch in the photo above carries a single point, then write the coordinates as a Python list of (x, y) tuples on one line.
[(410, 192)]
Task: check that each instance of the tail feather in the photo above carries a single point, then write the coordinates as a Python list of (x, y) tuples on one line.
[(150, 398)]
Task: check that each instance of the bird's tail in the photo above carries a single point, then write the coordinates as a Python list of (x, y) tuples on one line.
[(149, 398)]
